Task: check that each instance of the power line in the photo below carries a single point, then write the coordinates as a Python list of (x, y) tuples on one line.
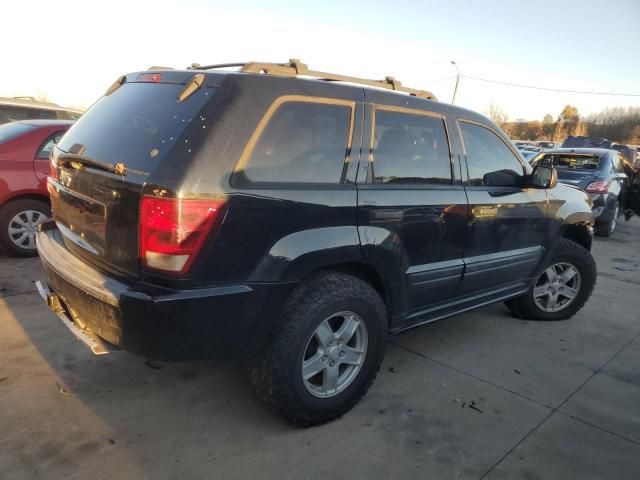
[(551, 89), (451, 77)]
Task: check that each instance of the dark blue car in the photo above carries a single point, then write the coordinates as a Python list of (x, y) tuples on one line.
[(602, 173)]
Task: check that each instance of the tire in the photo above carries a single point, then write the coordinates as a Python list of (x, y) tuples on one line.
[(570, 254), (606, 229), (276, 369), (29, 213)]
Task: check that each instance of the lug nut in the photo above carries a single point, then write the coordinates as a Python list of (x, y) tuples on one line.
[(341, 355), (324, 358), (332, 363)]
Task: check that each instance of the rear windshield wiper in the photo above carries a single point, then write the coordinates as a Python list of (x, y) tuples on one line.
[(118, 168)]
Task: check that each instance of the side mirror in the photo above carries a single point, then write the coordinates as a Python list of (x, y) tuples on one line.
[(543, 176), (502, 178)]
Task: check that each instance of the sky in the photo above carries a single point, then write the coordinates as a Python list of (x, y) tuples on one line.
[(74, 50)]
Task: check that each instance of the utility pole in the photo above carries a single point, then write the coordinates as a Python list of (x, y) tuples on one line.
[(455, 90)]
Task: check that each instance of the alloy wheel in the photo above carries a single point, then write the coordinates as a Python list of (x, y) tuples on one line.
[(334, 354), (557, 287)]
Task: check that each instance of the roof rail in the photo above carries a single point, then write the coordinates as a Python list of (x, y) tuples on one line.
[(295, 68)]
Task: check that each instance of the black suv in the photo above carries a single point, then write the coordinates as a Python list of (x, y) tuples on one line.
[(295, 222)]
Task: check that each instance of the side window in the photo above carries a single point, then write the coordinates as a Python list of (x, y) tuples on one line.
[(34, 113), (11, 113), (489, 161), (410, 149), (303, 142), (47, 146)]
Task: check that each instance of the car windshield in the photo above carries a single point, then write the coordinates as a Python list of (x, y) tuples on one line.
[(9, 131)]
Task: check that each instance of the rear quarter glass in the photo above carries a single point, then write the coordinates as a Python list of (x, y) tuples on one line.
[(137, 125)]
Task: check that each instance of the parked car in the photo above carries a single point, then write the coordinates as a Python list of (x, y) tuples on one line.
[(602, 173), (24, 166), (295, 222), (28, 108)]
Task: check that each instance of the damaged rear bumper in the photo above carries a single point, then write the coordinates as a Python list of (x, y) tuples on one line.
[(157, 323)]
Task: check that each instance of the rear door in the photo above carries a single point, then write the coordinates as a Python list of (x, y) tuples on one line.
[(508, 223), (411, 204), (141, 126)]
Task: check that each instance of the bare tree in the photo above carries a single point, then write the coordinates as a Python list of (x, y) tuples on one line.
[(42, 96), (497, 114)]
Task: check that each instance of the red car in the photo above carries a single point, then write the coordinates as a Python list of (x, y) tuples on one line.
[(24, 167)]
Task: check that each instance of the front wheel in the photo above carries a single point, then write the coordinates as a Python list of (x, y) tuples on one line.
[(562, 289), (325, 352)]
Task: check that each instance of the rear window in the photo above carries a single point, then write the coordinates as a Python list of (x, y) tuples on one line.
[(12, 130), (137, 124), (571, 162)]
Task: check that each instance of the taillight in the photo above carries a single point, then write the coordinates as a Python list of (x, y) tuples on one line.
[(599, 187), (173, 230)]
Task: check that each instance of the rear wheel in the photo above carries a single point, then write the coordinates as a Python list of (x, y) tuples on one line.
[(562, 289), (606, 229), (18, 225), (325, 353)]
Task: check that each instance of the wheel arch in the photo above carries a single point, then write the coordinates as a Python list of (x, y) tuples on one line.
[(25, 196), (579, 233)]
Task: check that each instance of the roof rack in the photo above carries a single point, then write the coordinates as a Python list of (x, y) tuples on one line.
[(295, 68)]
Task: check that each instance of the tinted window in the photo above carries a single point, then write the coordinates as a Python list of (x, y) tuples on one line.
[(12, 113), (410, 148), (135, 120), (303, 142), (12, 130), (489, 161), (48, 144), (9, 113)]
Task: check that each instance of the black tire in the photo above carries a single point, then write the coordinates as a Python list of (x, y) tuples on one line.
[(8, 212), (275, 370), (606, 229), (570, 252)]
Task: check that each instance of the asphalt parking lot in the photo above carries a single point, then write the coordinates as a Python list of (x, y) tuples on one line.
[(482, 395)]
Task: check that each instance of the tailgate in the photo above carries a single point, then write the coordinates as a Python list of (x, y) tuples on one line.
[(101, 165), (577, 178)]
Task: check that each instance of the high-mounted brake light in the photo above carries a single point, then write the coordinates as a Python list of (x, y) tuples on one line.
[(173, 230), (599, 187), (149, 77)]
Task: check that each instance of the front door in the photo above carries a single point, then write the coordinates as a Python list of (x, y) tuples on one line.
[(508, 223)]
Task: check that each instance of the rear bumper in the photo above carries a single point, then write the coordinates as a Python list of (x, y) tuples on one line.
[(153, 322)]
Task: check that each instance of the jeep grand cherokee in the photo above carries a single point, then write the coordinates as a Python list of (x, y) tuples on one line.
[(295, 222)]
